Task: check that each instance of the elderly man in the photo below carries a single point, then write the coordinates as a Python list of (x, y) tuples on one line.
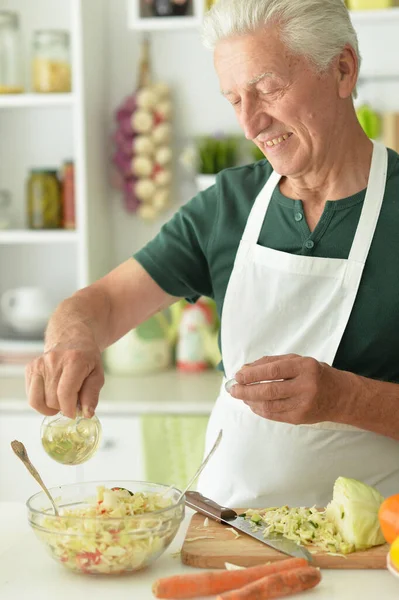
[(301, 254)]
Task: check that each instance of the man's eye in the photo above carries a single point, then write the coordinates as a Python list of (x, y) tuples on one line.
[(235, 102)]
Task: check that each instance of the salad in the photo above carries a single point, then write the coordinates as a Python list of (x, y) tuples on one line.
[(114, 532)]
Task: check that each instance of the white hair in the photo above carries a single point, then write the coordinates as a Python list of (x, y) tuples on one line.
[(316, 29)]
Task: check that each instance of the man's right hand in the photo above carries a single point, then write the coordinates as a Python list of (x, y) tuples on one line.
[(70, 372), (63, 377)]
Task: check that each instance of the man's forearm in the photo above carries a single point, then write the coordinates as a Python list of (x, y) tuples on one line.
[(85, 315), (369, 404)]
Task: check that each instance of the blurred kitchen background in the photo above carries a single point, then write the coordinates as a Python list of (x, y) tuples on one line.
[(110, 119)]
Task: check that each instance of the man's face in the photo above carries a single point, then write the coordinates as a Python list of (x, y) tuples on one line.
[(281, 103)]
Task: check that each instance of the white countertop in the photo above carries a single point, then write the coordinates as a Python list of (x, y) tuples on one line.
[(164, 392), (28, 573)]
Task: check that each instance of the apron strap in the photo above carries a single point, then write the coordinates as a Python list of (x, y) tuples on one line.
[(368, 218), (257, 215), (371, 205)]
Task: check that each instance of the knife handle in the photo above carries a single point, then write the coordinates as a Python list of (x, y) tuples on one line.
[(209, 508)]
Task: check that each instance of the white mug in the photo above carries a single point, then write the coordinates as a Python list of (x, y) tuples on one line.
[(27, 309)]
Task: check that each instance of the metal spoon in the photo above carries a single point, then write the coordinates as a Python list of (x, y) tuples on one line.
[(203, 464), (22, 454)]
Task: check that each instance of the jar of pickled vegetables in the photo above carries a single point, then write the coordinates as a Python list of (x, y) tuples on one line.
[(44, 199), (51, 65)]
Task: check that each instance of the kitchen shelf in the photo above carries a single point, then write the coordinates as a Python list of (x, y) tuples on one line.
[(166, 23), (372, 16), (24, 236), (378, 78), (36, 100), (141, 22)]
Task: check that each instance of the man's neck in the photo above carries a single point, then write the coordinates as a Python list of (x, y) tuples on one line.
[(342, 172)]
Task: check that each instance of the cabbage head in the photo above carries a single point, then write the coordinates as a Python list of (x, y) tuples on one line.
[(354, 511)]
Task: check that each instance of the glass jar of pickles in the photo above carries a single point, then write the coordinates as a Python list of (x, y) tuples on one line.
[(11, 77), (51, 65), (44, 199)]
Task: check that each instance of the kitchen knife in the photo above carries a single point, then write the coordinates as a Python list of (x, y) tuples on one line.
[(228, 516)]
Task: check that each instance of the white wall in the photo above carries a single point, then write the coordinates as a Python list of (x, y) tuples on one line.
[(180, 59)]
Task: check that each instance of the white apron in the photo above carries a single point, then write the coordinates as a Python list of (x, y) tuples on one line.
[(279, 303)]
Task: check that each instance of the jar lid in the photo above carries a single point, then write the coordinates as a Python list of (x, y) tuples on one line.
[(44, 171), (51, 35), (8, 17)]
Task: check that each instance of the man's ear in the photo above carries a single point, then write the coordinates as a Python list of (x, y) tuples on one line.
[(347, 68)]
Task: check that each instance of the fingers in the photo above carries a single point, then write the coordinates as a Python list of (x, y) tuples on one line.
[(60, 380), (269, 368), (46, 368), (69, 386), (264, 392), (90, 391), (36, 395)]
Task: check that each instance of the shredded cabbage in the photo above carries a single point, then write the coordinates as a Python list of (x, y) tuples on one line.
[(349, 522), (305, 526), (109, 533)]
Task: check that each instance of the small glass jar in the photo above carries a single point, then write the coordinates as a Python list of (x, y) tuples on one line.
[(51, 64), (11, 75), (44, 199)]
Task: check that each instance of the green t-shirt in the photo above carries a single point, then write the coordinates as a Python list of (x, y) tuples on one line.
[(193, 255)]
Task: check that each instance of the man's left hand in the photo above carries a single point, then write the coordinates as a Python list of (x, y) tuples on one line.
[(296, 389)]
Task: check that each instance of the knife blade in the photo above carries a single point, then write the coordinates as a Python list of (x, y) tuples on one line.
[(228, 516)]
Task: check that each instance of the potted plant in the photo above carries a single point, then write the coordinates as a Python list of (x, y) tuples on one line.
[(210, 154)]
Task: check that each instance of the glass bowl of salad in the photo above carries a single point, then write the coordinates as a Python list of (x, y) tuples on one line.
[(108, 527)]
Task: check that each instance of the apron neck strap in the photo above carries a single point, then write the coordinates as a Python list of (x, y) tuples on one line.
[(257, 215), (368, 218), (371, 205)]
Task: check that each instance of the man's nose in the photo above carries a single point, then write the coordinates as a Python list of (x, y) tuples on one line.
[(253, 119)]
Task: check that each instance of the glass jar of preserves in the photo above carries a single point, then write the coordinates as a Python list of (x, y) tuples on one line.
[(68, 196), (44, 199), (11, 76), (51, 65)]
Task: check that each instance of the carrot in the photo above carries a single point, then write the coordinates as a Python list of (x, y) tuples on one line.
[(214, 582), (278, 585)]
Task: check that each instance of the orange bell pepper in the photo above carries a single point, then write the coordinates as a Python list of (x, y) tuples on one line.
[(389, 518)]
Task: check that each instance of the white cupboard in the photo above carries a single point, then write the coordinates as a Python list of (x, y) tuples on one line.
[(43, 131), (16, 484)]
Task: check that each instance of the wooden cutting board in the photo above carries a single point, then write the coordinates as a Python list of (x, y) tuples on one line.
[(223, 546)]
